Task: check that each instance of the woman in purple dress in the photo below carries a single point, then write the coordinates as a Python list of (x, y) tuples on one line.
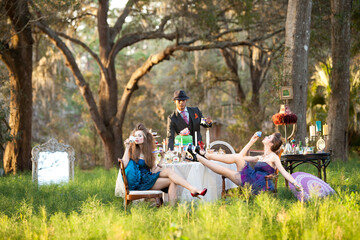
[(141, 171), (255, 176)]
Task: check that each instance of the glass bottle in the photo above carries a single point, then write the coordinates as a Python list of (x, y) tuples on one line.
[(293, 146), (301, 150)]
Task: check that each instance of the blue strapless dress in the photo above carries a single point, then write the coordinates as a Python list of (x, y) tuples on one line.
[(139, 176), (256, 176)]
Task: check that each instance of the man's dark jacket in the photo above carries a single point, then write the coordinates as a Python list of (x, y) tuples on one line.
[(176, 123)]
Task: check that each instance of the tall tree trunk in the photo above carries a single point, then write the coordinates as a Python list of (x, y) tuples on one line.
[(297, 36), (108, 92), (17, 55), (338, 116)]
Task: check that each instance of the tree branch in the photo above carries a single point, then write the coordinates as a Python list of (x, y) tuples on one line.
[(82, 44), (121, 19), (220, 79), (130, 39), (155, 59), (215, 45), (71, 19), (269, 35), (228, 31), (167, 52), (80, 81), (103, 29)]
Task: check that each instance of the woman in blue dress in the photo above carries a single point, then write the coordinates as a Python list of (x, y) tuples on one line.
[(141, 171), (255, 176)]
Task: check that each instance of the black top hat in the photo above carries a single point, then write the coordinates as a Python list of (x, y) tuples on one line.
[(180, 95)]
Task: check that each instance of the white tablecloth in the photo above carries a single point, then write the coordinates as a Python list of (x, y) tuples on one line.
[(201, 177)]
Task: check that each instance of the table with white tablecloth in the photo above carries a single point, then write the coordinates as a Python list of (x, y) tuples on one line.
[(201, 177)]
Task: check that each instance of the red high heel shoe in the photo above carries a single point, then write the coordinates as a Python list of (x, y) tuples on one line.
[(202, 193)]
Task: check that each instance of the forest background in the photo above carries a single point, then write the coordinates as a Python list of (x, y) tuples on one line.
[(163, 46)]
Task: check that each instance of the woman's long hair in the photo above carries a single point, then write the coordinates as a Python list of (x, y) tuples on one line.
[(146, 148), (277, 142)]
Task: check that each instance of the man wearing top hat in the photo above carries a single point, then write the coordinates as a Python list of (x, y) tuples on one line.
[(184, 117)]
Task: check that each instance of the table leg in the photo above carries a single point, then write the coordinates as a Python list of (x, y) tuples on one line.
[(286, 168), (319, 167), (324, 170)]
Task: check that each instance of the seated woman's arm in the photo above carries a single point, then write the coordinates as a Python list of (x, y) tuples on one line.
[(247, 147), (157, 167), (251, 158), (126, 156), (286, 175)]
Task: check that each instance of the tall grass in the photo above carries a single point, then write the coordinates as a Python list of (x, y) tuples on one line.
[(87, 209)]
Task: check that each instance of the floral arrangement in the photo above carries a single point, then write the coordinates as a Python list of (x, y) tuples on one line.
[(284, 117)]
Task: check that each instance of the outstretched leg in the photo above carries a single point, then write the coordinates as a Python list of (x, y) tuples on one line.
[(229, 173), (238, 159), (225, 158), (167, 172)]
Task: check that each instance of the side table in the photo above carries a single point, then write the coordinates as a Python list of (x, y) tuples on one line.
[(319, 160)]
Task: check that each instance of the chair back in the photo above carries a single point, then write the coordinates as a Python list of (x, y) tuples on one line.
[(122, 168), (226, 147)]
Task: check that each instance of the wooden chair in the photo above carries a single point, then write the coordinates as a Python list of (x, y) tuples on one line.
[(274, 177), (135, 195)]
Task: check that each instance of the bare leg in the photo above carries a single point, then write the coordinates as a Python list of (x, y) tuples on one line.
[(167, 172), (229, 173), (225, 158), (172, 193), (161, 182), (228, 159)]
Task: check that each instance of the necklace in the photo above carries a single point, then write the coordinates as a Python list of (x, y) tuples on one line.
[(264, 156)]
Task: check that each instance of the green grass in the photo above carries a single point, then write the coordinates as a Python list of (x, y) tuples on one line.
[(87, 209)]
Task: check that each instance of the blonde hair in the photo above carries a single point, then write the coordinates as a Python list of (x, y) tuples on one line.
[(146, 148)]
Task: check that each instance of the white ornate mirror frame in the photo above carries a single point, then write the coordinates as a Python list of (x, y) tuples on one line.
[(52, 162)]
